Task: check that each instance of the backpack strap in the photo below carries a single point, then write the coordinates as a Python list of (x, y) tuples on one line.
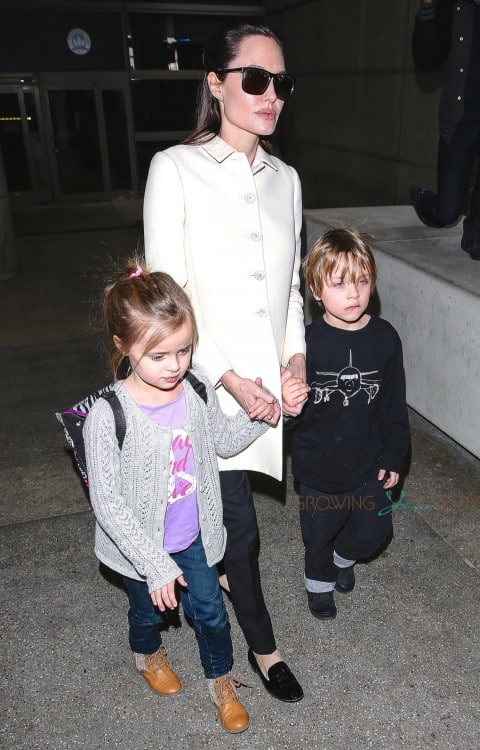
[(197, 385), (118, 414)]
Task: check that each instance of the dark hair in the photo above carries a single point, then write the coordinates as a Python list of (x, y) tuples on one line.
[(136, 300), (219, 51)]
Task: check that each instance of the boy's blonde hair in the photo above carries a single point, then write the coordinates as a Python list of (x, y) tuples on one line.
[(340, 250)]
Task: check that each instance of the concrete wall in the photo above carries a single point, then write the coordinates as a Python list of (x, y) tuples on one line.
[(362, 125)]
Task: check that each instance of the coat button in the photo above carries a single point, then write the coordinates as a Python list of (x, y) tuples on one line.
[(256, 236), (262, 312), (250, 198), (259, 275)]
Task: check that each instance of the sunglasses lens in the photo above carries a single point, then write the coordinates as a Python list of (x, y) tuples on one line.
[(283, 85), (255, 81)]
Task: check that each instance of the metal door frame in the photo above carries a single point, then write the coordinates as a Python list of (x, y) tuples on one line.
[(36, 195)]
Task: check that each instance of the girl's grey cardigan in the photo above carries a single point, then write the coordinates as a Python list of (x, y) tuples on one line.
[(128, 488)]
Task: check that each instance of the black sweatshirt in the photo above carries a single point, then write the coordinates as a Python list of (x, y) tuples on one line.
[(356, 420)]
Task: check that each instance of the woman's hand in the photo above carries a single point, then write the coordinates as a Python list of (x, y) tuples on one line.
[(298, 367), (249, 394), (165, 597)]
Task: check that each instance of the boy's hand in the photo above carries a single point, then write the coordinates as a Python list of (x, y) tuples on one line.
[(294, 393), (391, 478), (165, 597)]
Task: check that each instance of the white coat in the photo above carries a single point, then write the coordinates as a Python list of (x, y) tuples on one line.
[(229, 232)]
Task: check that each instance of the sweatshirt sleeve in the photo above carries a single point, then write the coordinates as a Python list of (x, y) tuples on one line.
[(394, 415), (111, 510)]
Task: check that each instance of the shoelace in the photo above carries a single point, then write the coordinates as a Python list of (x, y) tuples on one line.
[(158, 660), (225, 689)]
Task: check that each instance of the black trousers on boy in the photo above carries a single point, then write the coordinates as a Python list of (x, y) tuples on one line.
[(353, 524)]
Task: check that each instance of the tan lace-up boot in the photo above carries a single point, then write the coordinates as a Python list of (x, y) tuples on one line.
[(233, 715), (158, 672)]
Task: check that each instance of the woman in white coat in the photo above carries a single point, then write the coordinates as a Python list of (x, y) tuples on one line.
[(223, 217)]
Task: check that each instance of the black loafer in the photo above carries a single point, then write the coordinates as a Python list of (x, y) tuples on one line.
[(345, 580), (281, 683), (322, 606)]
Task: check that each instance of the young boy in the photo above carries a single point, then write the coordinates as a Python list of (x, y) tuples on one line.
[(353, 435)]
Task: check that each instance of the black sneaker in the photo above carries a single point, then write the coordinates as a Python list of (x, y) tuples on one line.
[(345, 580), (322, 606)]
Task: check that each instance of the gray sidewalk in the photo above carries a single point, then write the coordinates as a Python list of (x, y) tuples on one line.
[(397, 670)]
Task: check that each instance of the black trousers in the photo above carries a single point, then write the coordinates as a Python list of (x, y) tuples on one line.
[(348, 523), (241, 561), (456, 161)]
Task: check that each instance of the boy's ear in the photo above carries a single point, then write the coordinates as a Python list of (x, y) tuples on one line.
[(215, 85), (314, 294)]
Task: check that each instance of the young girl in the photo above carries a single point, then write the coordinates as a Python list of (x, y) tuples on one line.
[(157, 500)]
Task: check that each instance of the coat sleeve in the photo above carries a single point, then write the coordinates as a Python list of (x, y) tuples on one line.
[(164, 237), (111, 510), (432, 34), (294, 342)]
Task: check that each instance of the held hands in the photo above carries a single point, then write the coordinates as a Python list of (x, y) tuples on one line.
[(391, 478), (294, 392), (256, 400), (263, 411), (165, 597)]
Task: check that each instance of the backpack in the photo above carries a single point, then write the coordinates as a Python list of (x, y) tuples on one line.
[(73, 419)]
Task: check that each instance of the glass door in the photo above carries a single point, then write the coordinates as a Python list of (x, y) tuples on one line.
[(90, 143), (22, 140)]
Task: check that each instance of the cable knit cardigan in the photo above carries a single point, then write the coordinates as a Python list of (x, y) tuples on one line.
[(128, 488)]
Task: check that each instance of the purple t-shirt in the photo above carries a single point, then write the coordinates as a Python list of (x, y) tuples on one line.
[(181, 518)]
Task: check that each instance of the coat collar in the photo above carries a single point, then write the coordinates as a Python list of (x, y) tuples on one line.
[(220, 150)]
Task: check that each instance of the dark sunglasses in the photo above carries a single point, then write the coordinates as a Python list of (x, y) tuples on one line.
[(257, 80)]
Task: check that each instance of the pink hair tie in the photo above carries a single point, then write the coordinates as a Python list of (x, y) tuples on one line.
[(138, 272)]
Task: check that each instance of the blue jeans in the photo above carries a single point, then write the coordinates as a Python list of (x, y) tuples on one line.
[(202, 603), (456, 160)]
